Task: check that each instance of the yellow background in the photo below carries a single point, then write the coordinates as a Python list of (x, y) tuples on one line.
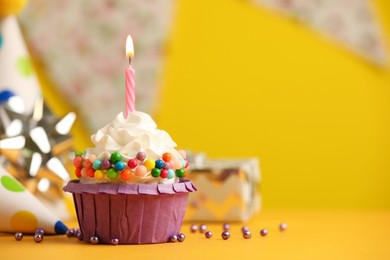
[(243, 81)]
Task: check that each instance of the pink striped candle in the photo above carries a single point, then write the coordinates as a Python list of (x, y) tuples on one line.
[(130, 78)]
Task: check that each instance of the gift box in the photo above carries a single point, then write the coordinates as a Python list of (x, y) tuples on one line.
[(228, 189)]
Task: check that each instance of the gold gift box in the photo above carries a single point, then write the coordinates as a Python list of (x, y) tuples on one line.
[(228, 190)]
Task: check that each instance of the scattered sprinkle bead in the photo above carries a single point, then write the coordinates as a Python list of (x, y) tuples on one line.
[(38, 238), (180, 173), (164, 173), (171, 174), (225, 235), (79, 235), (181, 237), (166, 157), (78, 162), (141, 171), (91, 172), (115, 241), (115, 157), (87, 164), (149, 164), (226, 227), (112, 174), (247, 234), (282, 226), (193, 228), (208, 234), (18, 236), (173, 238), (99, 174), (94, 240), (132, 163), (78, 172), (70, 232), (119, 166), (141, 156), (126, 175), (106, 164), (159, 164), (202, 228), (97, 164), (244, 228), (40, 231), (156, 172), (264, 232)]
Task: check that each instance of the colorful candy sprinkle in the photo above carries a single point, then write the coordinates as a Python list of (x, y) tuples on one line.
[(97, 164), (132, 163), (166, 157), (112, 174), (87, 164), (167, 165), (156, 172), (115, 157), (171, 174), (126, 175), (159, 164), (91, 172), (141, 156), (208, 234), (99, 174), (164, 173), (78, 153), (106, 164), (149, 164), (119, 166), (141, 171), (78, 162), (78, 172), (180, 173)]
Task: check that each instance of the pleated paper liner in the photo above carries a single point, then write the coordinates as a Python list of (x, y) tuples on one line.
[(131, 213)]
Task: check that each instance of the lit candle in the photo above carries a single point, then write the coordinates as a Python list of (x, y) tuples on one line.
[(130, 78)]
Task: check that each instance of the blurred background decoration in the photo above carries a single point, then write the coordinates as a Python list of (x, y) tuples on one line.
[(82, 49), (237, 79)]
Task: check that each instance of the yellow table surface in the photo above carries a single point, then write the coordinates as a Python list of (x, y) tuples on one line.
[(311, 234)]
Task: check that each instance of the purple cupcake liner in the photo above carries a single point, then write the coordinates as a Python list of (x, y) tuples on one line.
[(131, 213)]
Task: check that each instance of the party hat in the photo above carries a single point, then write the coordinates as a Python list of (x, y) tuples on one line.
[(16, 71), (20, 211)]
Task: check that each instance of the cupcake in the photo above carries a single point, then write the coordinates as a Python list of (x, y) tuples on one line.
[(131, 187)]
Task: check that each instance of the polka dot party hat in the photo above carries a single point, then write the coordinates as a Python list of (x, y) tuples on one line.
[(16, 71), (20, 211)]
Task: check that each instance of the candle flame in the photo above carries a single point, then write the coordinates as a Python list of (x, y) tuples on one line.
[(129, 47)]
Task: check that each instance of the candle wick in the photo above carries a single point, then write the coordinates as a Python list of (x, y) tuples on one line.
[(129, 60)]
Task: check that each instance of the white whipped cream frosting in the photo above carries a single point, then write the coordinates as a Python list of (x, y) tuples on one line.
[(128, 136)]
